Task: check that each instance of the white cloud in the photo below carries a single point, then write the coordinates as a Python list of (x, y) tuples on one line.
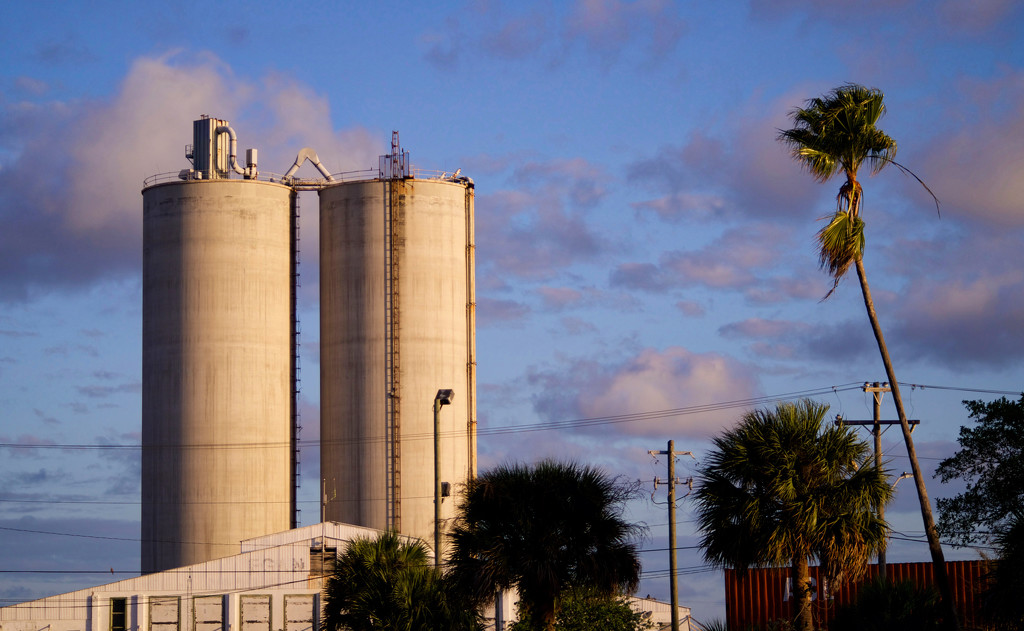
[(70, 191)]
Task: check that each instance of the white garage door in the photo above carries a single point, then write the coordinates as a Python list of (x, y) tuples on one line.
[(255, 613), (208, 613), (163, 613), (299, 612)]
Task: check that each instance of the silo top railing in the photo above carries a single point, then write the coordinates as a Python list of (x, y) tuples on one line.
[(364, 175)]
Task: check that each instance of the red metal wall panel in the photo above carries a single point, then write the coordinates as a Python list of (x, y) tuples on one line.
[(758, 596)]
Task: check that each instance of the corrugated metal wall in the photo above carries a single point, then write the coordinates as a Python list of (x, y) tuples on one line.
[(759, 596)]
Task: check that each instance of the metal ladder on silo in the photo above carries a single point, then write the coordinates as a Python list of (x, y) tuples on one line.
[(392, 237), (296, 421)]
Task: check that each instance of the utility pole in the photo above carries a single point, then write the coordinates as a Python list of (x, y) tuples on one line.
[(673, 587), (877, 390)]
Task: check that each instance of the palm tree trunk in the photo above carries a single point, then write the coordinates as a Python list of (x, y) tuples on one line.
[(803, 620), (938, 561), (544, 614)]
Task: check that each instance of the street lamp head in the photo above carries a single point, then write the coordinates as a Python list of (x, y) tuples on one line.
[(444, 396)]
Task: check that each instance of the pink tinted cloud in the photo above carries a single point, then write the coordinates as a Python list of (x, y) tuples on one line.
[(960, 294), (977, 17), (829, 11), (23, 446), (741, 259), (691, 308), (681, 206), (517, 37), (649, 381), (718, 273), (491, 311), (806, 286), (560, 297), (976, 168), (641, 276), (584, 180), (603, 29), (787, 340), (746, 174), (964, 320), (607, 27), (578, 326), (541, 227)]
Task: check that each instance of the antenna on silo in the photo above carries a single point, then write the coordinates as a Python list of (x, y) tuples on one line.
[(395, 165)]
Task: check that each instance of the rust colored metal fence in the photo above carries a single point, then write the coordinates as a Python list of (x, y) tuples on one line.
[(756, 597)]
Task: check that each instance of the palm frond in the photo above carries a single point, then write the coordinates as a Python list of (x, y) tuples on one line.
[(781, 485), (841, 243)]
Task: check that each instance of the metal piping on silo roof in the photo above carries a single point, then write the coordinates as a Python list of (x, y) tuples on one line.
[(224, 129), (307, 153)]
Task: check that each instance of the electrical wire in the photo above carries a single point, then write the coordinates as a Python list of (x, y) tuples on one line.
[(490, 431), (511, 429)]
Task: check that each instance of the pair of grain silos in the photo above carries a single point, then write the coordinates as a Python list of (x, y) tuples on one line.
[(220, 348)]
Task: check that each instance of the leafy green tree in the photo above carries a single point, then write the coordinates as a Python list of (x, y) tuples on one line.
[(783, 487), (835, 135), (582, 610), (991, 462), (991, 510), (542, 530), (388, 584), (889, 606), (1001, 601)]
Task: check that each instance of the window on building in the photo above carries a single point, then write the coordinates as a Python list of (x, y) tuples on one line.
[(118, 614)]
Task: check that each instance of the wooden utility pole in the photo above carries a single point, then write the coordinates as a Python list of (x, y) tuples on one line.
[(877, 389), (673, 586)]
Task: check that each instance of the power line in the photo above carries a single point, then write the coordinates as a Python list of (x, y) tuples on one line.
[(490, 431), (529, 427), (961, 389)]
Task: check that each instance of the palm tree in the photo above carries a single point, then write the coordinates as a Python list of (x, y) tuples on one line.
[(781, 488), (835, 135), (387, 583), (542, 530)]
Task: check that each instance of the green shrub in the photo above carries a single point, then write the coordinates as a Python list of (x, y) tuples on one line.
[(889, 606)]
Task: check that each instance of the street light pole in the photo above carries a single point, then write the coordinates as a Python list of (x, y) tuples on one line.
[(444, 397)]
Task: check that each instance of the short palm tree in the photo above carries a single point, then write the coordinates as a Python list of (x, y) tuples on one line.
[(388, 583), (541, 530), (782, 488), (835, 135)]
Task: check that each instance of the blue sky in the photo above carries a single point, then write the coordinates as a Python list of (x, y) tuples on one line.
[(644, 243)]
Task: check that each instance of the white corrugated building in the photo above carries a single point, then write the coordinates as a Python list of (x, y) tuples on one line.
[(273, 584)]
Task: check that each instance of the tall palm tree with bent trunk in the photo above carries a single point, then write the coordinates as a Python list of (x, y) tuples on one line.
[(835, 135)]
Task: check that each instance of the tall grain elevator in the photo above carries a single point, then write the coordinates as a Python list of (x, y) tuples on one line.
[(218, 356), (220, 361), (397, 324)]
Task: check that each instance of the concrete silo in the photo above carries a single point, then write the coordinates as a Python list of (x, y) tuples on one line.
[(397, 323), (218, 343)]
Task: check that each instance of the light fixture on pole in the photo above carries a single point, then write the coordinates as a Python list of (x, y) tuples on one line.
[(443, 397)]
